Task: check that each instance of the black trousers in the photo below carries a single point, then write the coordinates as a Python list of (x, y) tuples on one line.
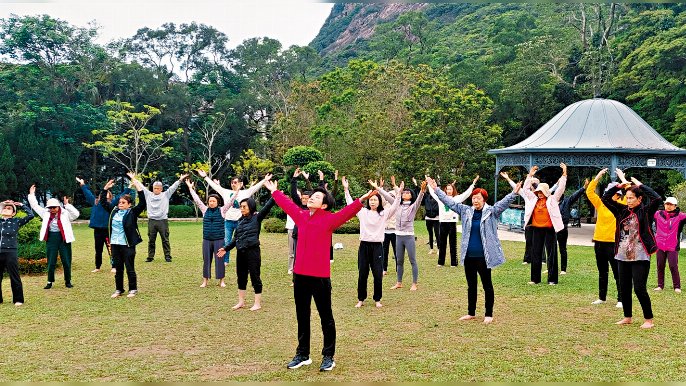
[(124, 257), (471, 269), (543, 239), (10, 262), (604, 256), (448, 234), (388, 241), (528, 235), (305, 288), (433, 227), (562, 237), (161, 227), (100, 236), (635, 273), (248, 262), (369, 256)]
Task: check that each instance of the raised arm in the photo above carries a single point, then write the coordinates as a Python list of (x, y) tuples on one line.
[(138, 209), (655, 199), (348, 197), (467, 193), (33, 202), (169, 192), (70, 209), (285, 203), (614, 207), (262, 214), (561, 183), (500, 206), (29, 214), (253, 189), (196, 199), (90, 197), (139, 186)]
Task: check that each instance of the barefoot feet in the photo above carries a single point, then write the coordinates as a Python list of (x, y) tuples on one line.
[(467, 317), (624, 321)]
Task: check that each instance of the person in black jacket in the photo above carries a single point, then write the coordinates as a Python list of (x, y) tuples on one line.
[(9, 229), (124, 235), (634, 242), (246, 240)]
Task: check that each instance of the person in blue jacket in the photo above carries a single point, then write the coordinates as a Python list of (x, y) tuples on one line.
[(99, 220)]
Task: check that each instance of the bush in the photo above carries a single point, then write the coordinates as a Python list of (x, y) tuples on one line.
[(181, 211), (302, 155), (29, 233), (350, 227), (85, 213), (274, 225), (32, 258)]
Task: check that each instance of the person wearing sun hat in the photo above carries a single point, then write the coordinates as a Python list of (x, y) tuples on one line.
[(669, 223), (604, 239), (543, 214), (9, 229), (56, 231)]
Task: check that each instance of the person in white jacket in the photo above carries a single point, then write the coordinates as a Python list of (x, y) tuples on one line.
[(234, 196), (448, 222), (543, 214), (56, 231)]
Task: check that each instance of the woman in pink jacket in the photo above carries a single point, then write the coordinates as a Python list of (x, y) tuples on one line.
[(543, 214), (669, 224)]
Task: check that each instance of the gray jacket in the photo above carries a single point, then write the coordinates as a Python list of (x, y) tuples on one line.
[(404, 217), (493, 251)]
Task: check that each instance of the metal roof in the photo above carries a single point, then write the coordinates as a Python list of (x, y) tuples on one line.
[(595, 126)]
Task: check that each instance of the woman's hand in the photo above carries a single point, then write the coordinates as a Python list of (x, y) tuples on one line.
[(600, 174), (221, 252), (271, 185), (344, 182), (431, 182)]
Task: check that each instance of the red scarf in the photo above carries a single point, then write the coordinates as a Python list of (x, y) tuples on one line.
[(59, 224)]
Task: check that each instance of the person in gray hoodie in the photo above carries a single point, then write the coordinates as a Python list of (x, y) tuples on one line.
[(404, 230), (481, 249)]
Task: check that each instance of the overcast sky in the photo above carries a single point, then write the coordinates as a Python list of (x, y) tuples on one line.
[(289, 21)]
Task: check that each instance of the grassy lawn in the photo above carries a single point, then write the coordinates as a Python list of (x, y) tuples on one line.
[(175, 331)]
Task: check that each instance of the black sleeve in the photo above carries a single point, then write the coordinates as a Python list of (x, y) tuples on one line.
[(614, 207), (294, 190), (576, 195), (138, 209), (265, 210), (655, 200), (103, 201)]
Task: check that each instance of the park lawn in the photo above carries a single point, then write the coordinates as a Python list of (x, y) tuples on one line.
[(175, 331)]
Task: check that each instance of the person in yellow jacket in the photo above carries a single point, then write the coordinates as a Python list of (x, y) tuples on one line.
[(604, 239)]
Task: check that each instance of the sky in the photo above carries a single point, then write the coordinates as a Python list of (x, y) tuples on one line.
[(289, 21)]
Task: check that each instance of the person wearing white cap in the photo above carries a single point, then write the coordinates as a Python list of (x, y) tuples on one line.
[(545, 218), (56, 232), (669, 223)]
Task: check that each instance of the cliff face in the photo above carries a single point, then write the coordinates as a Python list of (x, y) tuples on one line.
[(350, 22)]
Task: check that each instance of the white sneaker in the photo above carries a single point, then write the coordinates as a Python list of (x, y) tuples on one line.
[(677, 290), (598, 301), (18, 304), (563, 272), (116, 294), (290, 271), (132, 293), (619, 305), (525, 263)]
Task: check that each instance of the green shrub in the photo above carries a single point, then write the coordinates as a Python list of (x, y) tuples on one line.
[(302, 155), (85, 213), (29, 233), (32, 258), (350, 227), (181, 211), (274, 225)]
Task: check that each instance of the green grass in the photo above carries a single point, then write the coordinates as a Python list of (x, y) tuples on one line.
[(176, 331)]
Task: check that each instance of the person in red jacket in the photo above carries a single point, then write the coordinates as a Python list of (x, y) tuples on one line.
[(312, 270)]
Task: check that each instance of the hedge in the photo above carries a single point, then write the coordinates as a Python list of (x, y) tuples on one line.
[(274, 225), (350, 227)]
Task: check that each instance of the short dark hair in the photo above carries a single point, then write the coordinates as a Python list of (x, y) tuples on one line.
[(220, 202), (126, 197), (637, 191), (307, 193), (327, 199), (379, 209), (252, 205)]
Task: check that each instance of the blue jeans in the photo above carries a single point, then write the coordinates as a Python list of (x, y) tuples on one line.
[(229, 227)]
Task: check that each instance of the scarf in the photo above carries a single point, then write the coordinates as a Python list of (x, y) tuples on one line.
[(59, 224)]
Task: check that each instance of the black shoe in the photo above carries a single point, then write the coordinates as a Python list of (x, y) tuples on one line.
[(69, 285), (48, 286), (298, 361), (168, 260), (149, 259), (327, 364)]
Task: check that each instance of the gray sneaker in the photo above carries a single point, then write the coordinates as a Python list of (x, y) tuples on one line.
[(299, 361)]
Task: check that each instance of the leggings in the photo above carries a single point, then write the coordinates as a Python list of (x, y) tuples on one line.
[(635, 273), (403, 243), (388, 242), (433, 227)]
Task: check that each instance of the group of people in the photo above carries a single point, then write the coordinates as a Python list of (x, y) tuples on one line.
[(623, 237)]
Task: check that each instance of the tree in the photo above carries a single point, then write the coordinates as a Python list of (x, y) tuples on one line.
[(8, 180), (129, 141), (251, 167)]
